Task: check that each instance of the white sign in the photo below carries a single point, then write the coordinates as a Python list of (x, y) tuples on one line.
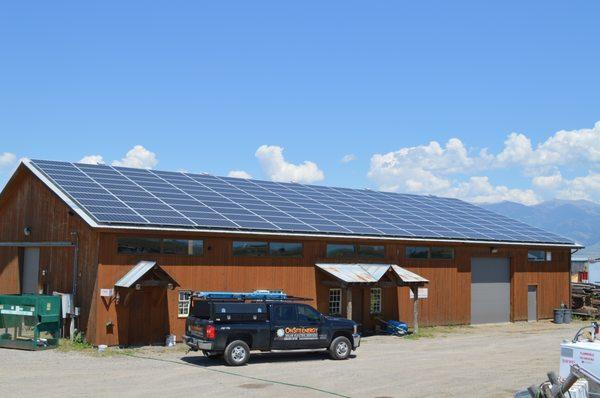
[(423, 293), (106, 292)]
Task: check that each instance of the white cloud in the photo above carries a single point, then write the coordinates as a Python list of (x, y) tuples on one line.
[(584, 187), (563, 148), (138, 157), (278, 169), (7, 159), (424, 168), (239, 174), (92, 159), (480, 190), (548, 182), (348, 158), (449, 169)]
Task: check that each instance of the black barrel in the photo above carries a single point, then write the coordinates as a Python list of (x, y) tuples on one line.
[(567, 315), (559, 315)]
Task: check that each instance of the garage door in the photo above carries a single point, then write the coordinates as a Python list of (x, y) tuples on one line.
[(490, 290)]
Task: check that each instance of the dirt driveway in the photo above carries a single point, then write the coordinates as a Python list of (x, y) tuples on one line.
[(482, 361)]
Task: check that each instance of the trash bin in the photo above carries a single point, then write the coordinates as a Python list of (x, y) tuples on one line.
[(559, 315), (29, 322), (567, 315)]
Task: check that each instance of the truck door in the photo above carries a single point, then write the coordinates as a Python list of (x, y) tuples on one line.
[(284, 319), (314, 334), (297, 326)]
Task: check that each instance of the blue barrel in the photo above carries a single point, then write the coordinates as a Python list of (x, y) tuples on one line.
[(567, 315), (559, 315)]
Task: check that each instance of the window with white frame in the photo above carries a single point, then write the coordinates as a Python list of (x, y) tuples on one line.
[(539, 255), (375, 300), (335, 301), (183, 303)]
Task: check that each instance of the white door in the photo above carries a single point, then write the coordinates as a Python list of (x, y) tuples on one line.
[(31, 268)]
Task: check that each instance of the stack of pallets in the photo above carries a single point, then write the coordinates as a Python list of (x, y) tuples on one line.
[(585, 298)]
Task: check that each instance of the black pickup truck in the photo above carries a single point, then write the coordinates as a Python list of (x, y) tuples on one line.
[(233, 329)]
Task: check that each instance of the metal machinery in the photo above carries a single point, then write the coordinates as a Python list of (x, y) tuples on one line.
[(29, 322)]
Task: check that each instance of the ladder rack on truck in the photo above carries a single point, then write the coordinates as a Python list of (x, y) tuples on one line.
[(257, 295)]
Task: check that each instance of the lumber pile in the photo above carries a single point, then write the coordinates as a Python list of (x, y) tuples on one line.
[(585, 298)]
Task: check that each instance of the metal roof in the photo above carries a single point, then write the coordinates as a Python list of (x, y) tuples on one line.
[(368, 273), (126, 198), (134, 274)]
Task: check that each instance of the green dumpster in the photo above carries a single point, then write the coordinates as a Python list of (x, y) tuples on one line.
[(29, 322)]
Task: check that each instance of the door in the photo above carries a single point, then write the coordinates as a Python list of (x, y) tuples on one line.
[(357, 304), (31, 268), (312, 334), (532, 303), (490, 290), (284, 320), (148, 316)]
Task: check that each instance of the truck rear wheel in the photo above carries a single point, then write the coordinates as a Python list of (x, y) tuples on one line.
[(340, 348), (237, 353)]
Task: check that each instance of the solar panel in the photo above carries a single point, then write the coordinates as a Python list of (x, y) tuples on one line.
[(126, 196)]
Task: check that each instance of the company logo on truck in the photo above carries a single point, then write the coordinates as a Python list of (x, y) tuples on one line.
[(298, 333)]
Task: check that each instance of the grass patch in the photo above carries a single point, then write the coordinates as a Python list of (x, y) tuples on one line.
[(67, 345), (83, 347), (437, 331)]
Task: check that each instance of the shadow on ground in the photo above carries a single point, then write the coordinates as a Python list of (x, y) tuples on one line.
[(262, 357)]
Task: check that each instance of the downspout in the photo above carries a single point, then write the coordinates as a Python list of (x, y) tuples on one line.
[(74, 309)]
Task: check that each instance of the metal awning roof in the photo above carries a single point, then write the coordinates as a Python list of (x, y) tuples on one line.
[(135, 273), (368, 273), (140, 270)]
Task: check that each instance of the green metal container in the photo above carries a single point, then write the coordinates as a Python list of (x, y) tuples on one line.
[(29, 321)]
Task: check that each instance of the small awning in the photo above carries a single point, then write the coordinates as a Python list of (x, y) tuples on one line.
[(369, 273), (148, 271)]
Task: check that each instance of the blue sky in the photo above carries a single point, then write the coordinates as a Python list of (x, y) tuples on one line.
[(202, 86)]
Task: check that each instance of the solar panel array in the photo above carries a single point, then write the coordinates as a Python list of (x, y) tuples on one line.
[(126, 196)]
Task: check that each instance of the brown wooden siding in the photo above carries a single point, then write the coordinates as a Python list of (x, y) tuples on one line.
[(27, 202), (449, 288)]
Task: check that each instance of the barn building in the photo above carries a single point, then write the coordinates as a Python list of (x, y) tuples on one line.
[(132, 244)]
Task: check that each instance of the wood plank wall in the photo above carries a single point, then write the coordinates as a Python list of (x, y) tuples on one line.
[(449, 288), (27, 202)]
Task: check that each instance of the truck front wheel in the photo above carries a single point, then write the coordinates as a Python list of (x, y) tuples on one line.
[(340, 348), (237, 353)]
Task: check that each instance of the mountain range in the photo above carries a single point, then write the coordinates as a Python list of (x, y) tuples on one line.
[(575, 219)]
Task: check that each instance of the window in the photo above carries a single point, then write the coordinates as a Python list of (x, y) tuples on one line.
[(417, 252), (308, 314), (375, 300), (183, 303), (340, 250), (285, 313), (539, 255), (444, 253), (335, 301), (281, 249), (369, 251), (250, 248), (133, 245), (137, 245), (183, 247)]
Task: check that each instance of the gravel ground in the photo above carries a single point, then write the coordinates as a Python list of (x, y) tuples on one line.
[(480, 361)]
